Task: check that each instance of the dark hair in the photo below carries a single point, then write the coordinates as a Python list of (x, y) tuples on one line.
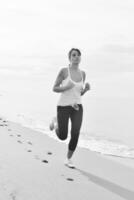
[(74, 49)]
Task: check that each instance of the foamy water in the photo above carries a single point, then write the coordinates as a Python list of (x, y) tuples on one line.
[(26, 97)]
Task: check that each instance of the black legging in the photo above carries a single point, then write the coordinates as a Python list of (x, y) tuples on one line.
[(63, 115)]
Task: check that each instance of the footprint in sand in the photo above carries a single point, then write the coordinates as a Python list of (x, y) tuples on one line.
[(18, 135), (45, 161), (70, 179), (4, 121), (19, 141), (13, 196), (38, 158), (29, 150), (49, 153), (3, 125), (29, 143)]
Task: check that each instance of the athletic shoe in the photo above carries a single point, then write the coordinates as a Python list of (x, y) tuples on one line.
[(53, 124), (68, 163)]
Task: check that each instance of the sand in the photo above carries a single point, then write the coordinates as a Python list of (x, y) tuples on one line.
[(32, 168)]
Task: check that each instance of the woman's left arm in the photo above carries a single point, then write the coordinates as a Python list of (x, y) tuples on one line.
[(87, 85)]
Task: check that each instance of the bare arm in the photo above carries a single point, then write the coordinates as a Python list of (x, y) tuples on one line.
[(87, 86), (57, 85)]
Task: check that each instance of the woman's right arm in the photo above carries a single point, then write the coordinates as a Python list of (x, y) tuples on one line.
[(57, 86)]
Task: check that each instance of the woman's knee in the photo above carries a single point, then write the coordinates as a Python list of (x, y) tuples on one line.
[(62, 135)]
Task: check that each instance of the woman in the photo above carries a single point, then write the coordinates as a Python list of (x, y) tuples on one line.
[(70, 83)]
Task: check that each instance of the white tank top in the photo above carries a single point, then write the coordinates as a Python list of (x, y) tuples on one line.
[(71, 96)]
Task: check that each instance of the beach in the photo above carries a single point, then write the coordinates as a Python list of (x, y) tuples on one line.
[(32, 167), (35, 38)]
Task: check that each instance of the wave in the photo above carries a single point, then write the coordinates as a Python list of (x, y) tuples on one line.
[(93, 143)]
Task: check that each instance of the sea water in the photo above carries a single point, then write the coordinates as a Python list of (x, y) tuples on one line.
[(26, 97)]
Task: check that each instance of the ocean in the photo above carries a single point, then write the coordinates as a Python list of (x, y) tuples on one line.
[(26, 97)]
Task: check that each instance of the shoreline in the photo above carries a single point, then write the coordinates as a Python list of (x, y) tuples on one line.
[(32, 167), (121, 159), (107, 147)]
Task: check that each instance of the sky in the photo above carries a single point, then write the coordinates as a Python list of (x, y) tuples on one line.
[(102, 29)]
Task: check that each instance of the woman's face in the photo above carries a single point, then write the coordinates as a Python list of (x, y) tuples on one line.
[(75, 57)]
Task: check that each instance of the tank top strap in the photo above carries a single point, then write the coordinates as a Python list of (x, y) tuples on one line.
[(81, 76), (69, 75)]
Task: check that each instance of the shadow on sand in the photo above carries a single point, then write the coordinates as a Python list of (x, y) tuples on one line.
[(112, 187)]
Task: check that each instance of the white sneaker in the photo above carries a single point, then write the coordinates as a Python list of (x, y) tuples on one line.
[(68, 163), (53, 124)]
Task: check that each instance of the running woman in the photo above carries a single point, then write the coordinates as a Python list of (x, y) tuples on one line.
[(70, 82)]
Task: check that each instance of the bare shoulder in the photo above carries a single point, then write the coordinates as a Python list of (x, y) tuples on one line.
[(63, 72)]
